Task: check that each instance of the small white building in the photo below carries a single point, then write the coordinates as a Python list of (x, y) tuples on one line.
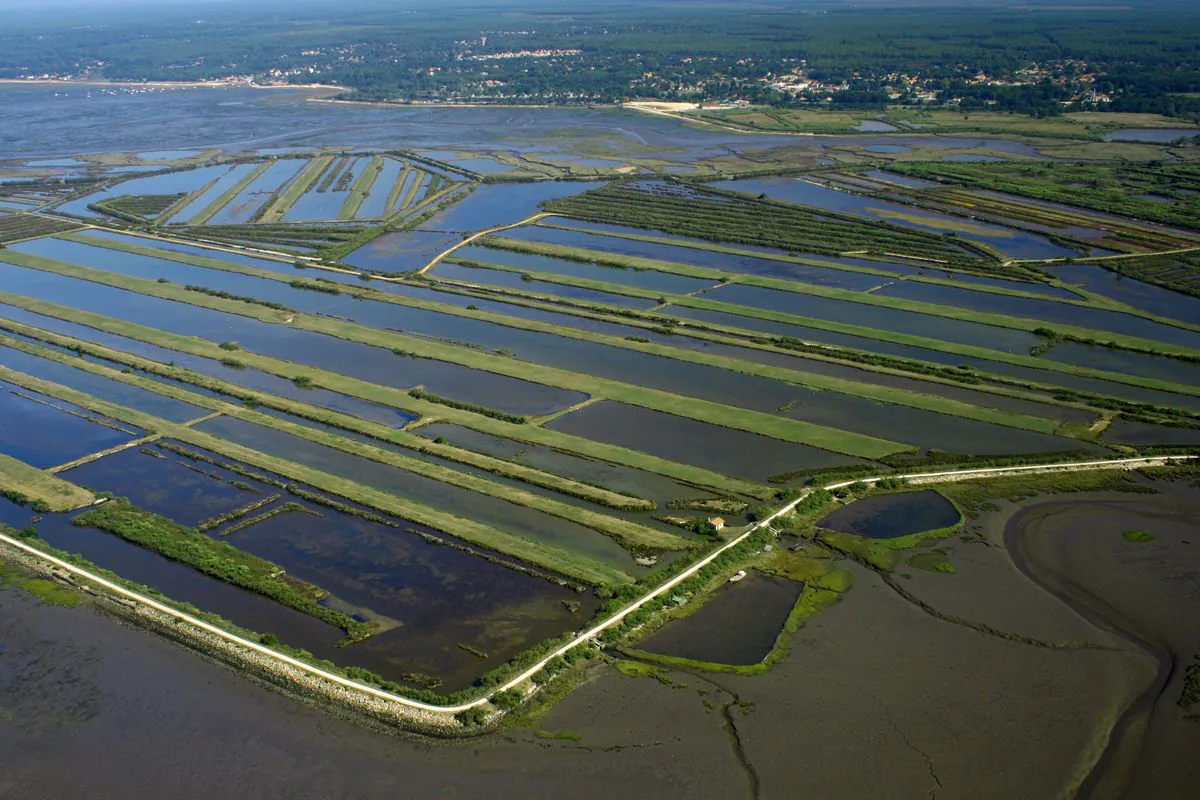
[(716, 523)]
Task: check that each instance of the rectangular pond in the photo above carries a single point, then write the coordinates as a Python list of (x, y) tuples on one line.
[(42, 431), (875, 316), (520, 520), (100, 387), (736, 453)]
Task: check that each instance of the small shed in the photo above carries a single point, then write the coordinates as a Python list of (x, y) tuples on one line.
[(716, 523)]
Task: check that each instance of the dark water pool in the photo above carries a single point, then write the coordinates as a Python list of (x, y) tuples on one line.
[(893, 515), (738, 625)]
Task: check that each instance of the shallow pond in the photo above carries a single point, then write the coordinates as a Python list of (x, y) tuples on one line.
[(874, 316), (640, 278), (894, 515), (170, 183), (1145, 296), (100, 387), (167, 155), (43, 436), (874, 126), (1140, 434), (495, 204), (1048, 311), (493, 511), (209, 196), (1125, 362), (375, 205), (248, 201), (733, 263), (401, 251), (626, 480), (239, 376), (1151, 135), (738, 625), (513, 280), (164, 485), (725, 450)]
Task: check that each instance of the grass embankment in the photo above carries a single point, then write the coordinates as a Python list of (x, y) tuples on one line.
[(782, 428), (210, 211), (218, 559), (299, 185), (396, 398), (553, 558), (24, 484), (242, 400), (361, 188)]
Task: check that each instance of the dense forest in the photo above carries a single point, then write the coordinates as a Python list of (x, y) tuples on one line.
[(1143, 59)]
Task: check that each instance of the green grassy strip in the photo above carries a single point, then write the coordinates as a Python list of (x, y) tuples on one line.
[(24, 484), (782, 284), (227, 196), (218, 559), (361, 188), (299, 185), (821, 436), (400, 399), (533, 552), (629, 534)]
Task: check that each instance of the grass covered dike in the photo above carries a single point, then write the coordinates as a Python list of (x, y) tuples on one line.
[(26, 485), (217, 559)]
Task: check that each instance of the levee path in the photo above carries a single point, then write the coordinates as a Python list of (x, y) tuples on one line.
[(591, 633)]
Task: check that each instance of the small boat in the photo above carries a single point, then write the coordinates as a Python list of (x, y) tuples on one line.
[(741, 573)]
